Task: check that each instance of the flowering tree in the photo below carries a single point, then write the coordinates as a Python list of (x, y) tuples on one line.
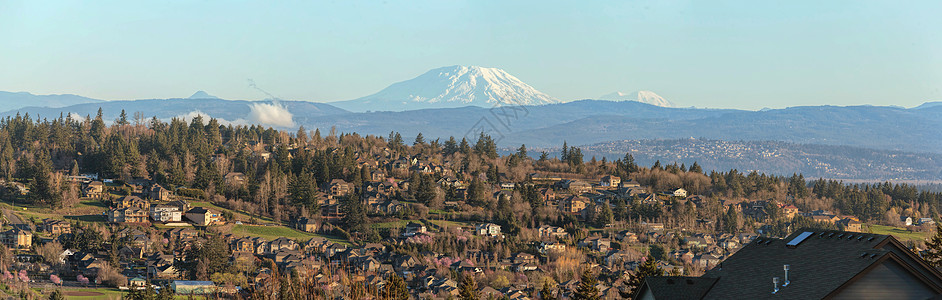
[(55, 279), (7, 276), (82, 279), (23, 276)]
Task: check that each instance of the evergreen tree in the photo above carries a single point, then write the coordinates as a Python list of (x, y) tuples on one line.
[(522, 151), (587, 289), (695, 168), (419, 140), (396, 289), (647, 269), (464, 147), (451, 146), (354, 217), (731, 220), (303, 190), (933, 253), (468, 288), (605, 216), (122, 119)]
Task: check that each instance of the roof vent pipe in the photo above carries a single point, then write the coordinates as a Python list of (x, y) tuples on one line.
[(775, 284), (786, 267)]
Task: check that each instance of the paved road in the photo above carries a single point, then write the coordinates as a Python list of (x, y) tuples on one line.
[(16, 221)]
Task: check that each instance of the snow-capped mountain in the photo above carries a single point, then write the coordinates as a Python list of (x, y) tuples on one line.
[(648, 97), (454, 86)]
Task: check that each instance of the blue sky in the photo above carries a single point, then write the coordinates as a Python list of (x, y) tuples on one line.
[(730, 54)]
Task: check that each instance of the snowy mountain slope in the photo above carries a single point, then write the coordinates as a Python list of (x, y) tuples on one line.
[(648, 97), (454, 86)]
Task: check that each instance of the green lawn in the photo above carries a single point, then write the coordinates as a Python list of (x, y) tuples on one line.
[(900, 233), (238, 214), (450, 224), (393, 224), (107, 293), (274, 232)]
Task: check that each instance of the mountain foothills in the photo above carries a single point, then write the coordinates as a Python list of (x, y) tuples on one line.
[(12, 101), (462, 101), (253, 212)]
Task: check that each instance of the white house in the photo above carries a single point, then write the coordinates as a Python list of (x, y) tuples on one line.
[(166, 213), (680, 193), (487, 229)]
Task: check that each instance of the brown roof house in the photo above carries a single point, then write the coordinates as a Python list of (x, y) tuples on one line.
[(809, 264), (203, 216), (56, 227), (128, 215), (16, 239)]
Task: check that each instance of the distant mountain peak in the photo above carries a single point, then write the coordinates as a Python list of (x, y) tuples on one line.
[(453, 86), (648, 97), (202, 95)]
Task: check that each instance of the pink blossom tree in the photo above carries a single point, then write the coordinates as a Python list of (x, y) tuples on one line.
[(82, 279), (55, 279), (23, 276)]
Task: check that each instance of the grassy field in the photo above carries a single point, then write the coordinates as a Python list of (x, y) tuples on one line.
[(450, 224), (103, 293), (393, 224), (274, 232), (900, 233), (241, 216)]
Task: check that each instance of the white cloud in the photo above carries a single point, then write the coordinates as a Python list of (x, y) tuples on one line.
[(76, 117), (270, 114), (273, 114)]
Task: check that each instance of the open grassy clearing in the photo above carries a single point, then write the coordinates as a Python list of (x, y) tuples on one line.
[(274, 232), (900, 233)]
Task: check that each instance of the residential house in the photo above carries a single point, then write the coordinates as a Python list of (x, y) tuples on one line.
[(306, 224), (282, 244), (16, 239), (338, 188), (680, 193), (182, 234), (821, 265), (244, 244), (131, 214), (234, 178), (596, 243), (573, 204), (789, 211), (132, 201), (94, 189), (203, 216), (56, 227), (414, 228), (158, 193), (610, 181), (487, 229), (548, 247), (851, 225), (547, 231), (166, 213), (576, 186)]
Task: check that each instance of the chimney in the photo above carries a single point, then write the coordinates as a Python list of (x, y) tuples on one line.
[(786, 267), (775, 283)]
